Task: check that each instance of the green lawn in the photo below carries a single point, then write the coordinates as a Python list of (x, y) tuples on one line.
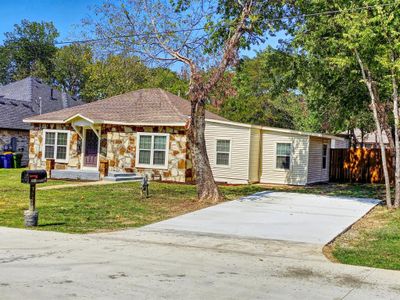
[(374, 241), (100, 207)]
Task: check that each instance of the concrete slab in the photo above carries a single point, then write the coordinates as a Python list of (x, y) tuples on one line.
[(275, 215), (144, 264)]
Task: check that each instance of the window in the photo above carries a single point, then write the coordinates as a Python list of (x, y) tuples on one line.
[(56, 145), (223, 152), (324, 155), (152, 150), (283, 151)]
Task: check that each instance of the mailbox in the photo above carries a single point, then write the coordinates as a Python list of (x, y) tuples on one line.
[(34, 176)]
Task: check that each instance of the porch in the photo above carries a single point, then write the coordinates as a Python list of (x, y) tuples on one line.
[(94, 175)]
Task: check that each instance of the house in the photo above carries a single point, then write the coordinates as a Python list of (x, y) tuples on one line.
[(144, 132), (359, 139), (22, 99)]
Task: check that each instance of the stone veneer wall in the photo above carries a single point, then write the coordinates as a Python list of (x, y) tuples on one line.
[(118, 147), (22, 137), (36, 147)]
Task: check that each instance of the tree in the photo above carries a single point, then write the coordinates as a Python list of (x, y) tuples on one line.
[(364, 36), (202, 35), (70, 65), (266, 92), (113, 76), (168, 80), (30, 48)]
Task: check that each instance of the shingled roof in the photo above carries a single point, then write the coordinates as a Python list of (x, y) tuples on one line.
[(29, 97), (145, 106), (12, 112)]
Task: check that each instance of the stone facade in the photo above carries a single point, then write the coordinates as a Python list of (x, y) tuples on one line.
[(118, 148), (21, 139), (36, 150)]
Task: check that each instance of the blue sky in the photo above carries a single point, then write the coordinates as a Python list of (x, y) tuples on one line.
[(65, 14)]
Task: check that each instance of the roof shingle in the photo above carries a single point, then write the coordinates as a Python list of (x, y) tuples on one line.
[(141, 106), (29, 97)]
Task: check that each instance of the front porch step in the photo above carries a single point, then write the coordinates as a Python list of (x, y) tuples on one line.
[(121, 174), (90, 175), (123, 178)]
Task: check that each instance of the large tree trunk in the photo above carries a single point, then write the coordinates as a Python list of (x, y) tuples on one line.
[(396, 139), (207, 189), (367, 77)]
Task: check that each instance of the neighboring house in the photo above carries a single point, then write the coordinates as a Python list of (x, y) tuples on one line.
[(144, 132), (22, 99), (359, 139)]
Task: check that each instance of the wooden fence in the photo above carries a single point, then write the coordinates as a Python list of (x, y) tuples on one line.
[(358, 165)]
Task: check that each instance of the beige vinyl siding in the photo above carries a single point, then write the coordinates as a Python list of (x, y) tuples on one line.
[(297, 174), (238, 170), (315, 171), (255, 147)]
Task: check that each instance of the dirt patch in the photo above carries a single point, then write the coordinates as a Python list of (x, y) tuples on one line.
[(301, 273)]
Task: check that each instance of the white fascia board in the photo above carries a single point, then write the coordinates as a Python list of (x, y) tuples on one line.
[(233, 123), (43, 121), (275, 129), (314, 134)]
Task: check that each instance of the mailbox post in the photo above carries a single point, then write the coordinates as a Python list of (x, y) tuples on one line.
[(144, 187), (32, 177)]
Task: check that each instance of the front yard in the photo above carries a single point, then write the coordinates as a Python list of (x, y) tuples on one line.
[(374, 241), (100, 207)]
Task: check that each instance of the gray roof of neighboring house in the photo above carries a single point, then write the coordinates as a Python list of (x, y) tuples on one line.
[(149, 106), (29, 97), (369, 137)]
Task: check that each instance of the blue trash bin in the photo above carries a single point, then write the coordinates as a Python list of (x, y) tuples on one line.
[(1, 161), (7, 161)]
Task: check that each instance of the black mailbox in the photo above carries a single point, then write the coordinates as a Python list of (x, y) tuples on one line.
[(34, 176)]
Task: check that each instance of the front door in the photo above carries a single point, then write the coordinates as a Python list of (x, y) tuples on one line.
[(91, 149)]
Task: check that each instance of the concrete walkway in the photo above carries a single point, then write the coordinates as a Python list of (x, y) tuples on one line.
[(294, 217), (78, 184)]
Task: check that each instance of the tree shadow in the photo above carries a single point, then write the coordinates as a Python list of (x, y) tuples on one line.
[(51, 224)]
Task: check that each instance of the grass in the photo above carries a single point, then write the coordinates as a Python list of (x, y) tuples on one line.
[(373, 241), (102, 207)]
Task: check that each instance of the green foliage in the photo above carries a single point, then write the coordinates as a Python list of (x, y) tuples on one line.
[(29, 50), (118, 74), (70, 65), (329, 43), (266, 92)]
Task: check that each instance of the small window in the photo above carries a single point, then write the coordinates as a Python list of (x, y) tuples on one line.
[(152, 150), (223, 152), (56, 145), (283, 151), (324, 155)]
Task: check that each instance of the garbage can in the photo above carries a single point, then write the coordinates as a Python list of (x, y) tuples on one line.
[(17, 158), (1, 161), (7, 161)]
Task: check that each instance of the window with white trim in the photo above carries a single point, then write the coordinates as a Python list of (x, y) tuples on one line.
[(283, 154), (324, 155), (152, 150), (223, 152), (56, 145)]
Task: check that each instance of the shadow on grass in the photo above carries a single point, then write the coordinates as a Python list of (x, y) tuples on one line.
[(51, 224)]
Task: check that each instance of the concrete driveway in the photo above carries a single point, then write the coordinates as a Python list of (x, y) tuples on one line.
[(275, 215), (154, 262)]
